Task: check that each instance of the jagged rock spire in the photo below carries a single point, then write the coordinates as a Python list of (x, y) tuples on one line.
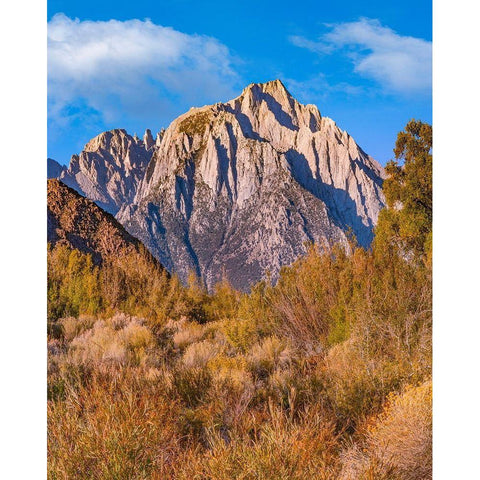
[(158, 140), (148, 139), (109, 169)]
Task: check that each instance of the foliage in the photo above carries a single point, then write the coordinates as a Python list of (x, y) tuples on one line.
[(136, 286), (398, 442), (325, 375), (407, 220)]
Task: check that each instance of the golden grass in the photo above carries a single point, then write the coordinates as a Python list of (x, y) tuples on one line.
[(255, 392)]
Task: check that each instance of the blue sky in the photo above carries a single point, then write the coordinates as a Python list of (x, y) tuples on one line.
[(138, 64)]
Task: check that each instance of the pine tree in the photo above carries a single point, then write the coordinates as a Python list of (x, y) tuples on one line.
[(406, 223)]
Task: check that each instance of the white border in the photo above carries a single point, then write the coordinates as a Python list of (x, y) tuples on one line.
[(23, 239), (456, 130), (456, 259)]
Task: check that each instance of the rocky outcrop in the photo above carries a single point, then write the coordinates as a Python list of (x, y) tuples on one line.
[(148, 141), (79, 223), (236, 189), (109, 168)]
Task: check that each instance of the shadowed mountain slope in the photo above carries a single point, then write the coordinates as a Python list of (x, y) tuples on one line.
[(236, 189)]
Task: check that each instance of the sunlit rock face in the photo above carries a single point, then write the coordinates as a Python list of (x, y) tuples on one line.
[(238, 189), (109, 168)]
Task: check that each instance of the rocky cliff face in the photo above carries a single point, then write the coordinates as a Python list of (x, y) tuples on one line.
[(109, 168), (236, 189)]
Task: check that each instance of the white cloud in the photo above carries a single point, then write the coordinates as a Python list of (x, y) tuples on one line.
[(400, 64), (131, 68)]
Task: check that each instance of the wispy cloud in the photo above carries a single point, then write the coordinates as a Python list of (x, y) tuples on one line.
[(400, 64), (131, 68), (319, 88)]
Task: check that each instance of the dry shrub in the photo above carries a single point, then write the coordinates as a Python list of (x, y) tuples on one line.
[(120, 320), (398, 442), (186, 332), (72, 327), (289, 389), (232, 390), (118, 340), (305, 295), (240, 333), (272, 352), (281, 449), (389, 346), (230, 369), (199, 354), (350, 381), (114, 428)]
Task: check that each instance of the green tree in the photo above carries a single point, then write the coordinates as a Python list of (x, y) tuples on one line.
[(406, 223)]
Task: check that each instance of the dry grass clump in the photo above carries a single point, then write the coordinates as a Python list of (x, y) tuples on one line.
[(271, 353), (191, 385), (118, 340), (398, 442), (199, 354), (185, 332)]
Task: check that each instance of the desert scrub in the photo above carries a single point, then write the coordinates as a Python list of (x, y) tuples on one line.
[(398, 442), (199, 354), (118, 340), (281, 449), (113, 430), (264, 357)]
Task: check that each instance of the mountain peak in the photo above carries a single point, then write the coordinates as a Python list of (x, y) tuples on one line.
[(105, 139), (109, 168), (274, 89), (237, 188), (269, 87)]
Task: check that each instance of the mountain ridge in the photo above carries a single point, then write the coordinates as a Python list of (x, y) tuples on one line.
[(109, 168), (237, 189), (80, 224)]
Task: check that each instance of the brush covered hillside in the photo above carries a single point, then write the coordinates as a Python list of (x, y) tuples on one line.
[(324, 375)]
